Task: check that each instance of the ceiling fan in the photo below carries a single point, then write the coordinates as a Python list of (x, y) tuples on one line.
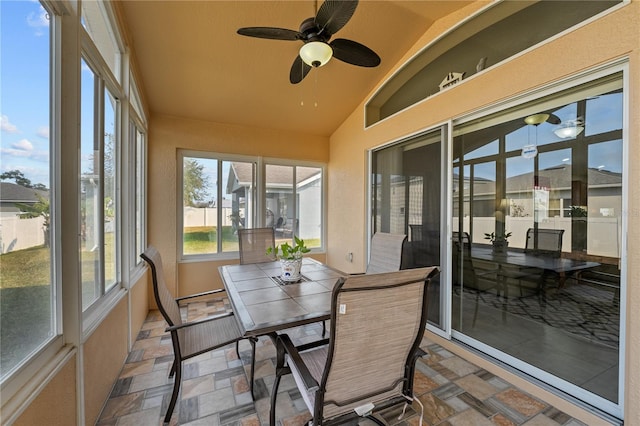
[(315, 33)]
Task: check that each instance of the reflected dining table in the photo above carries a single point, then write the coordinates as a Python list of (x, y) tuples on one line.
[(264, 304), (560, 267)]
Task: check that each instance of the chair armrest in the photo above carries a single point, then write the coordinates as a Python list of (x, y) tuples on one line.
[(189, 324), (294, 358), (204, 293)]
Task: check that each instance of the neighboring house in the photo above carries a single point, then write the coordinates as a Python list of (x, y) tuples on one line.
[(17, 233), (11, 193), (279, 197)]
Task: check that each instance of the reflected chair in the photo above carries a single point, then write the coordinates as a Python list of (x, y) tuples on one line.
[(540, 242), (189, 339), (368, 362), (465, 274), (544, 242), (386, 252), (253, 244)]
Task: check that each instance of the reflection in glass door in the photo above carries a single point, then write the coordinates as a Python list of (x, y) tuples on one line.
[(536, 253), (407, 199)]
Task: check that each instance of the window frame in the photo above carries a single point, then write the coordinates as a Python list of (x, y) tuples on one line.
[(20, 384), (323, 201), (107, 299), (259, 196)]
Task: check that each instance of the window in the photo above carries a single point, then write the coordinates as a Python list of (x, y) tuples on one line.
[(293, 196), (219, 195), (139, 190), (27, 287), (99, 177), (217, 199), (99, 25)]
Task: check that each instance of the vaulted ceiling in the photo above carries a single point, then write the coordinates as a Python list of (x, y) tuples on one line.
[(193, 64)]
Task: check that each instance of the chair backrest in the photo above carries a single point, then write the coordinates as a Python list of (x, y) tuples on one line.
[(461, 258), (253, 243), (166, 302), (386, 252), (545, 242), (377, 324), (416, 232)]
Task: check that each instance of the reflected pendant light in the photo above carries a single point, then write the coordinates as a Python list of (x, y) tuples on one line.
[(531, 150)]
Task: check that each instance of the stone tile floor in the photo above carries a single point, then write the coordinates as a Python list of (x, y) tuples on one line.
[(215, 390)]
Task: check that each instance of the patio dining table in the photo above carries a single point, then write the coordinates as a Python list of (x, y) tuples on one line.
[(264, 304)]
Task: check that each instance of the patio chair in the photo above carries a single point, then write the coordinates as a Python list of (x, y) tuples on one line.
[(253, 245), (189, 339), (386, 252), (367, 363)]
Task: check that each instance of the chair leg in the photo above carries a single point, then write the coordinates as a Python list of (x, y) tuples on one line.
[(324, 329), (253, 341), (173, 368), (176, 391), (274, 394), (281, 369), (238, 348)]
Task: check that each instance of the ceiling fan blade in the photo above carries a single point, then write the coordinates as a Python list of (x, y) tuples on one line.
[(299, 70), (554, 119), (270, 33), (334, 14), (354, 53)]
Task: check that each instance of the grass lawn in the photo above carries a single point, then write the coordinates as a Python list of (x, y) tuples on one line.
[(25, 304), (202, 239), (25, 288)]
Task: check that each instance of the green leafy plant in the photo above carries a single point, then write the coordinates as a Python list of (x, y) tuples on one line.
[(289, 252), (496, 238)]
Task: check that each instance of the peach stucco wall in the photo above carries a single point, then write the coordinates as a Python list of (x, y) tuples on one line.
[(612, 37), (104, 354), (166, 136), (56, 403)]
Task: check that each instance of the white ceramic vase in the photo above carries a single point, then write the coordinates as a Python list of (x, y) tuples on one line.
[(290, 269)]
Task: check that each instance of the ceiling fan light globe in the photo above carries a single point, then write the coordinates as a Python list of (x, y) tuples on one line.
[(316, 53), (569, 131), (536, 119)]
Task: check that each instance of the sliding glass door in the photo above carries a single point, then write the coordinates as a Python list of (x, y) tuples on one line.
[(407, 194), (537, 222)]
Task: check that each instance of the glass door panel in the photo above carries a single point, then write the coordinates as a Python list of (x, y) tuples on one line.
[(549, 182), (407, 199)]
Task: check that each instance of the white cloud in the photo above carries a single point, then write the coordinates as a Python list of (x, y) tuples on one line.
[(39, 21), (23, 145), (7, 126), (24, 149), (43, 132)]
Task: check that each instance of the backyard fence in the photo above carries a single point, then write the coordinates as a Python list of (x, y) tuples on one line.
[(19, 234)]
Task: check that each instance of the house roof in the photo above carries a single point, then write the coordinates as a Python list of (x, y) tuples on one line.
[(276, 175), (192, 63), (555, 178), (13, 193)]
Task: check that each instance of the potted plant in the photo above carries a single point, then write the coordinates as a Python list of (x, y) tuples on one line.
[(290, 258), (499, 242)]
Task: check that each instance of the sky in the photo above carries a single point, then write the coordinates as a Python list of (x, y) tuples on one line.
[(24, 89)]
